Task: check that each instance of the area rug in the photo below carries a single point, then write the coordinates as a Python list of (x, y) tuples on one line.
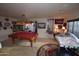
[(48, 50)]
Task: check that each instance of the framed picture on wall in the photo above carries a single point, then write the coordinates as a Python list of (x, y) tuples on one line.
[(0, 24), (42, 25), (6, 24), (6, 19), (13, 22), (59, 21)]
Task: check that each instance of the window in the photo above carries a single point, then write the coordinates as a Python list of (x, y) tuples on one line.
[(76, 28), (70, 26), (73, 26)]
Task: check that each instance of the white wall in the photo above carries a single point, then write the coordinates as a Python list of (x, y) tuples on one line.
[(8, 30), (42, 32), (4, 33)]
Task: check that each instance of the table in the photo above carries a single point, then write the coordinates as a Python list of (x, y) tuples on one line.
[(69, 40), (22, 35)]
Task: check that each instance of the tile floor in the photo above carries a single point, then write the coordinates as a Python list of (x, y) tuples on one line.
[(22, 48)]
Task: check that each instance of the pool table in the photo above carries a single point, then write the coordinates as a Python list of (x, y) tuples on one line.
[(22, 35)]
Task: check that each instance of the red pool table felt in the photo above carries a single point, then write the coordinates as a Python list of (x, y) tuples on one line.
[(22, 35)]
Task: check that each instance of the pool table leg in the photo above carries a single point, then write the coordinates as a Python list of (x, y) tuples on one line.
[(35, 40), (13, 40), (31, 43)]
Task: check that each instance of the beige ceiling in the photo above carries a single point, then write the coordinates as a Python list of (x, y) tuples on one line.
[(38, 9)]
